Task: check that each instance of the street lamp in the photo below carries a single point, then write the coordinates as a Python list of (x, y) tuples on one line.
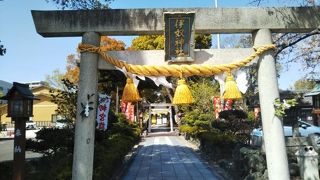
[(20, 102)]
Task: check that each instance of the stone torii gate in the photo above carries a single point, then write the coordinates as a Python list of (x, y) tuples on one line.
[(261, 22), (165, 106)]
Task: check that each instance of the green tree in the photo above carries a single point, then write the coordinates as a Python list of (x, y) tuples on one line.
[(203, 90), (154, 42), (304, 85), (200, 113), (66, 100), (57, 147), (203, 41), (148, 42)]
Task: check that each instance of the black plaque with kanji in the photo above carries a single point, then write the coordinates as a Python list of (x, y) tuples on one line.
[(179, 37)]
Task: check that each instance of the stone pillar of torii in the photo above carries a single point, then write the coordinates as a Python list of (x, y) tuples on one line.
[(261, 22)]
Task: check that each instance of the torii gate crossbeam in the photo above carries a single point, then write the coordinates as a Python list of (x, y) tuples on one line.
[(112, 22), (261, 22)]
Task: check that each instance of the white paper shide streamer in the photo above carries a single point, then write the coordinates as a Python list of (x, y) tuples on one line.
[(161, 80), (242, 81), (132, 76), (221, 80)]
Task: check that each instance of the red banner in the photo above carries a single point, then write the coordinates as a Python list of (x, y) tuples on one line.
[(128, 109), (217, 106), (228, 104)]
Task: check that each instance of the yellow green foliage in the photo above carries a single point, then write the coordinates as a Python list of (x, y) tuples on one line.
[(188, 129), (202, 91), (156, 42), (251, 115), (304, 84), (148, 42)]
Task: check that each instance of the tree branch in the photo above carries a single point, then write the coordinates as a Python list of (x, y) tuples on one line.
[(283, 46)]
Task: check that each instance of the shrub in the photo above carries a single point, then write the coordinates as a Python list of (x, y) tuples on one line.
[(198, 119), (235, 122), (51, 140), (217, 138), (188, 129), (111, 146), (124, 127), (251, 116), (54, 167), (233, 114), (217, 144), (109, 155), (6, 169)]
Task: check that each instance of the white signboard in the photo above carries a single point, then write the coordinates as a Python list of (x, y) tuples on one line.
[(102, 112)]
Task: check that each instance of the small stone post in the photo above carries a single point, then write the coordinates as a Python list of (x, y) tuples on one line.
[(277, 160), (85, 126)]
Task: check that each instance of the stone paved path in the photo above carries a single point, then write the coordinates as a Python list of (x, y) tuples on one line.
[(166, 158)]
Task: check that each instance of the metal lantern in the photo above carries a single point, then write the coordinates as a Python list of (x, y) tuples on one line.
[(20, 101)]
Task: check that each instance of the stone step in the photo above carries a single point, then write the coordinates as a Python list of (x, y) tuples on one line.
[(163, 129), (153, 134)]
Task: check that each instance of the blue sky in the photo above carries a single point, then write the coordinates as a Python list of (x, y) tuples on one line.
[(30, 57)]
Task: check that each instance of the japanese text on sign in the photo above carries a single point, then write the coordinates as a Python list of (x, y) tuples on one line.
[(103, 111), (179, 36)]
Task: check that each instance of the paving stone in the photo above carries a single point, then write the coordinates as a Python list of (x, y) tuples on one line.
[(169, 178), (129, 177), (141, 178), (168, 158)]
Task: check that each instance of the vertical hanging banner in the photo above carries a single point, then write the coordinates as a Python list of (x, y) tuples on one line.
[(228, 104), (123, 107), (103, 111), (130, 112), (127, 108), (179, 36), (217, 106)]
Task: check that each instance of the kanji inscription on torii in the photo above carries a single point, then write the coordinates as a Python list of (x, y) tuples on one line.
[(179, 36)]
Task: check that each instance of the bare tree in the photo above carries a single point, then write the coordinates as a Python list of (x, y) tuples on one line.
[(82, 4), (302, 48)]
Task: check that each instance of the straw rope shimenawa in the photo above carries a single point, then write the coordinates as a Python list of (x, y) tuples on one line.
[(176, 70), (182, 94), (130, 92), (231, 88)]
